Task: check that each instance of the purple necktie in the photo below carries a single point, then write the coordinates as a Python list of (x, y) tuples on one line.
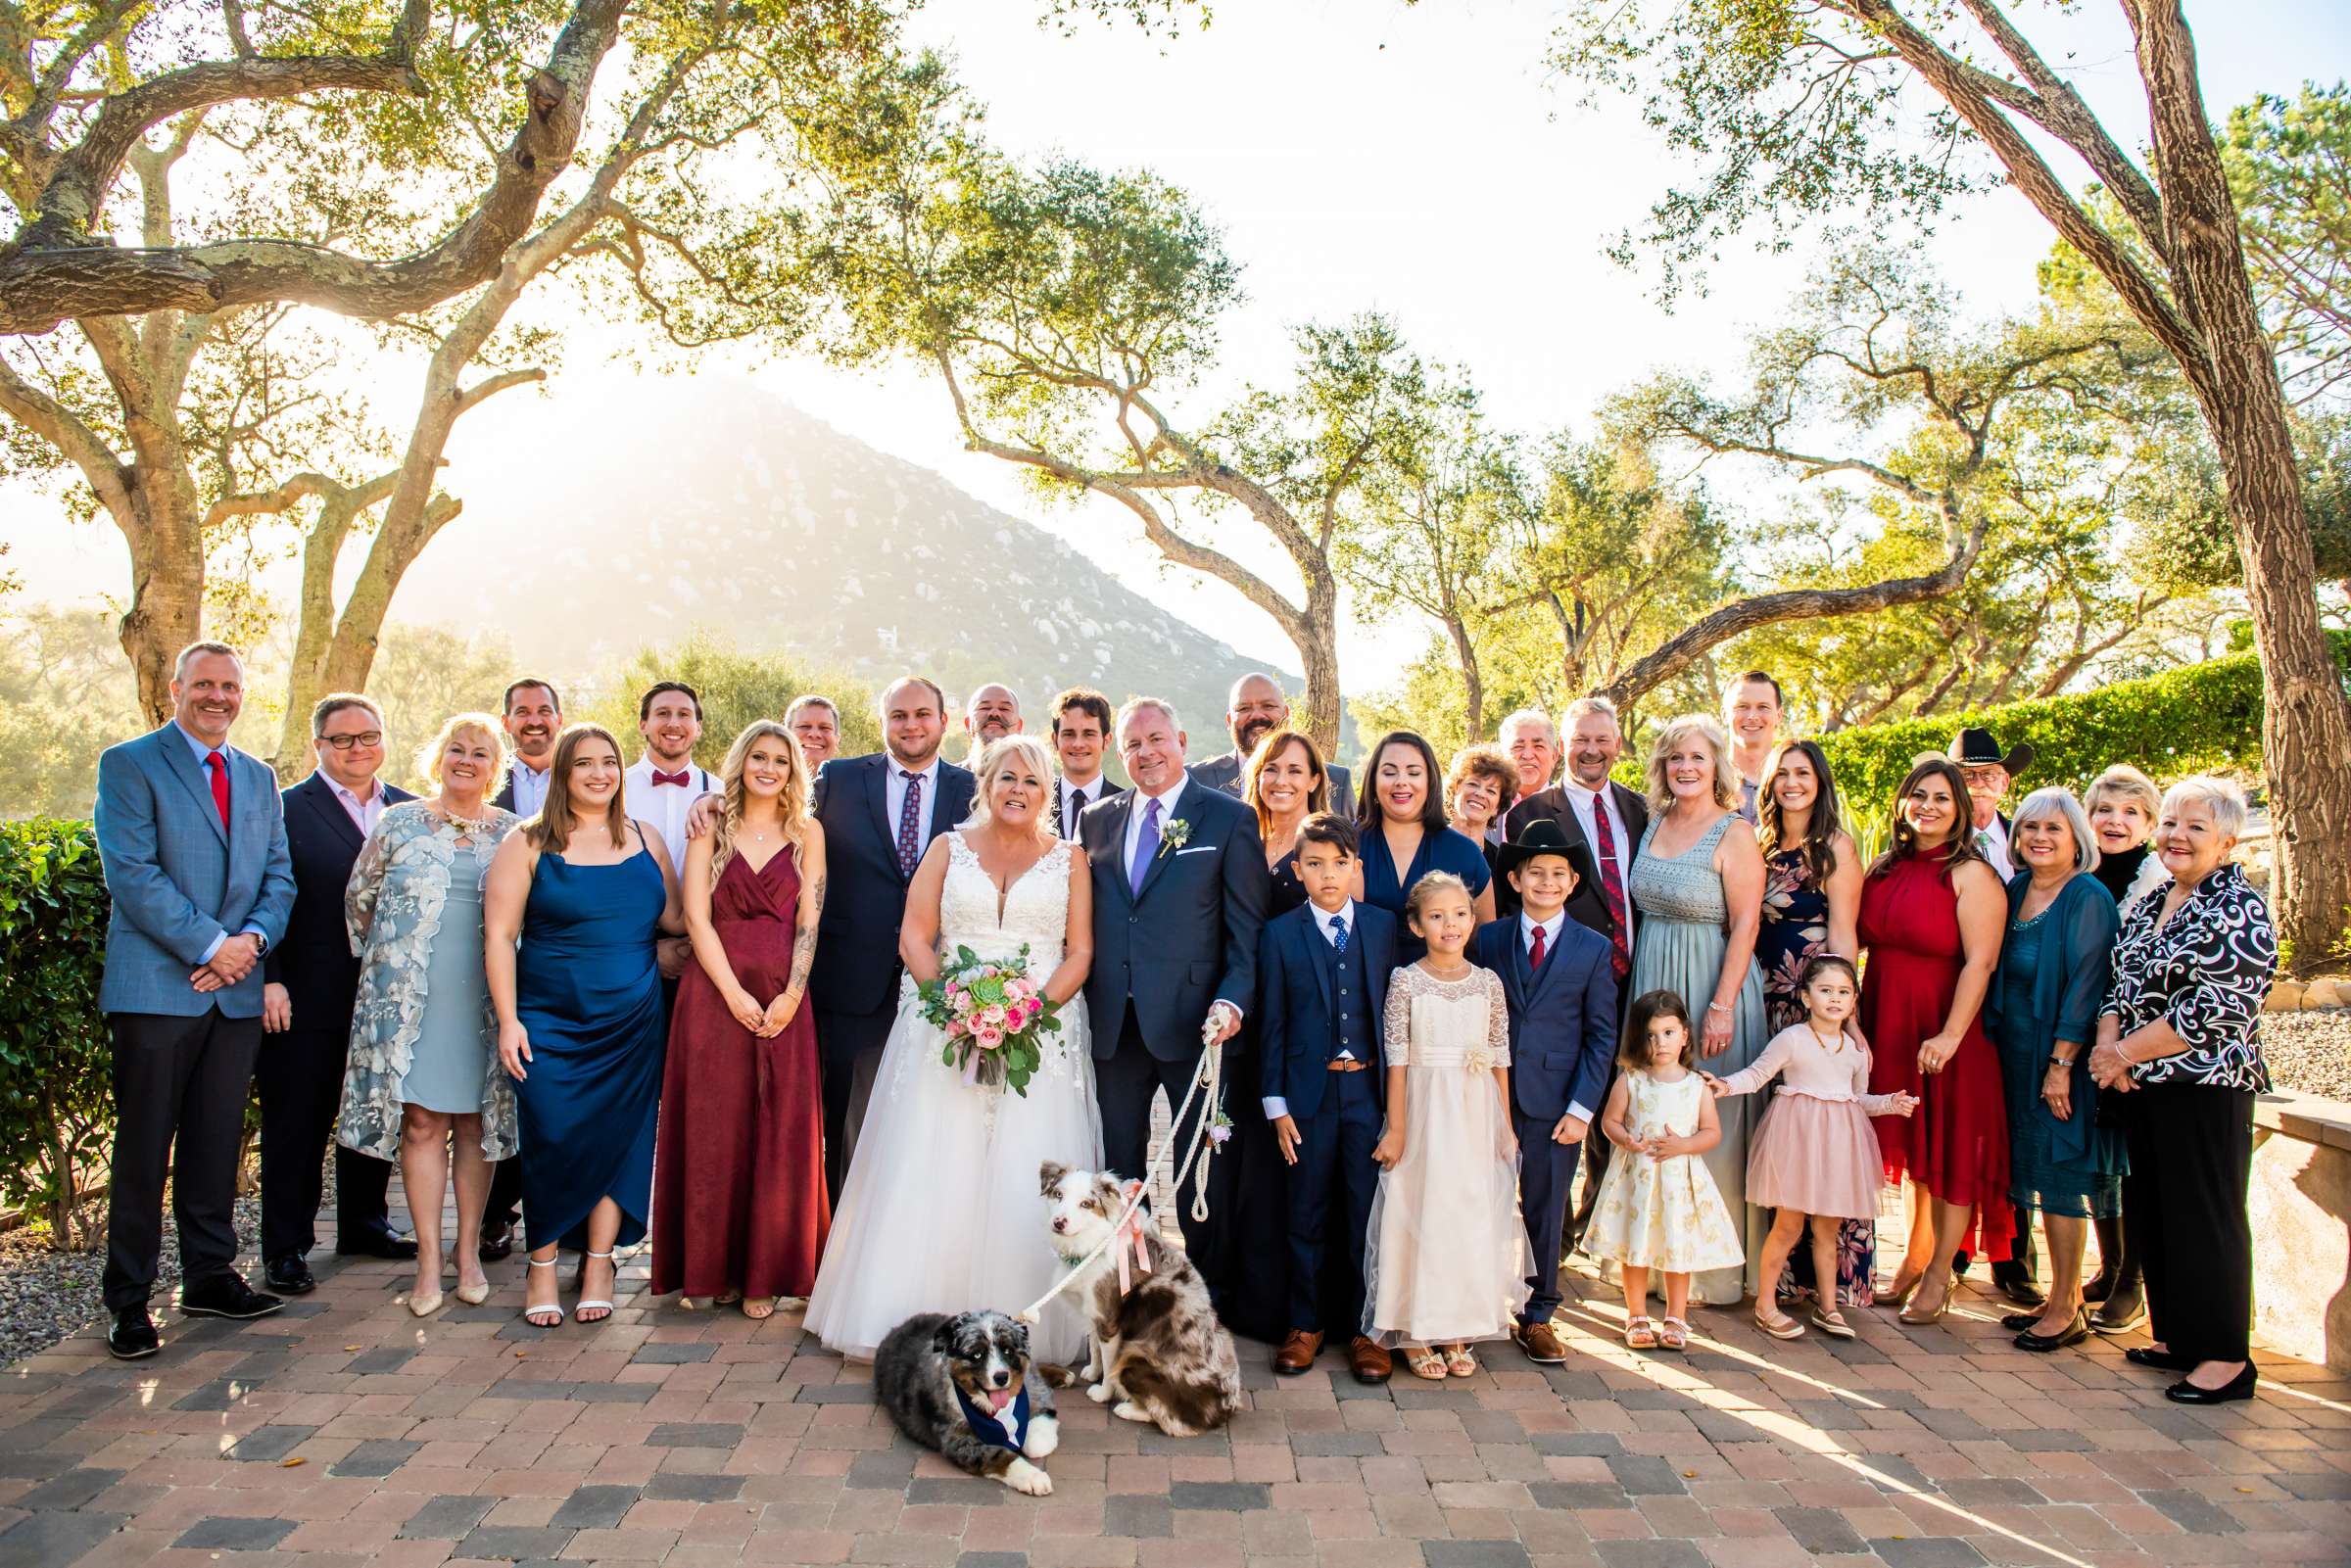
[(910, 823), (1146, 846)]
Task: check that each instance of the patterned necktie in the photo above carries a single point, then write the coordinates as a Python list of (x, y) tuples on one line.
[(217, 766), (1536, 952), (1612, 888), (1339, 933), (1146, 845), (681, 779), (910, 823)]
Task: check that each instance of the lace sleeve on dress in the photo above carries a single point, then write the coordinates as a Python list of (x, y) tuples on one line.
[(1498, 1017), (366, 881), (1398, 1045)]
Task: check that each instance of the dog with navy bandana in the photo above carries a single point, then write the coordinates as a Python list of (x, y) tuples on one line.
[(967, 1387)]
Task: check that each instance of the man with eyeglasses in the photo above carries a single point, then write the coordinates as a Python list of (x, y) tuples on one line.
[(313, 980)]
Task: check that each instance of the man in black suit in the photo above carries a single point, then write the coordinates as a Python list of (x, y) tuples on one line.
[(534, 717), (1255, 709), (1607, 820), (313, 980), (1179, 898), (1080, 718), (880, 813)]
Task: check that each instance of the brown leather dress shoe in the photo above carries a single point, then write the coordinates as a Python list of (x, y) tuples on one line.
[(1297, 1353), (1541, 1342), (1370, 1364)]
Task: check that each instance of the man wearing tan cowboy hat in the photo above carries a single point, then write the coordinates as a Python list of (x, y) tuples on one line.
[(1987, 771)]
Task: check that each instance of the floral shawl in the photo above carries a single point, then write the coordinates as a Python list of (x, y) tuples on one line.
[(392, 908)]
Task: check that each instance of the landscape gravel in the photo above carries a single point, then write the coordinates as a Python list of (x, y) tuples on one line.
[(2309, 1052), (46, 1296)]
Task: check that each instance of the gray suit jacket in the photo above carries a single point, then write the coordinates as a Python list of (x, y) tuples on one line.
[(178, 879), (1225, 773)]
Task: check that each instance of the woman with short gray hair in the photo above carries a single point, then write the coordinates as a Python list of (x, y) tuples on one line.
[(2041, 1013), (2180, 1039)]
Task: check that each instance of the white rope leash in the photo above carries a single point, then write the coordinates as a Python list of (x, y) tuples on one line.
[(1196, 1160)]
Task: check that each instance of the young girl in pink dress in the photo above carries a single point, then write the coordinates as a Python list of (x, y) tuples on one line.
[(1816, 1153), (1445, 1262)]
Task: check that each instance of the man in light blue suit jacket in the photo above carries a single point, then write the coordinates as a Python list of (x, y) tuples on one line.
[(192, 836)]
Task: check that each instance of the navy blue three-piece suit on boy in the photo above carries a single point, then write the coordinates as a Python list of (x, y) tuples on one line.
[(1320, 1005), (1562, 1039)]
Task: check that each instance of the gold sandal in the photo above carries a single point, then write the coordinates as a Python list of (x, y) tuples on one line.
[(1427, 1361), (1460, 1361)]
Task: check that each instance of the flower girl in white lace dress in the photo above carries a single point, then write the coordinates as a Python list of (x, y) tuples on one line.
[(1445, 1262)]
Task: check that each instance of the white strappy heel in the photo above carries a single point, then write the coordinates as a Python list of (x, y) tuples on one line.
[(586, 1305), (533, 1315)]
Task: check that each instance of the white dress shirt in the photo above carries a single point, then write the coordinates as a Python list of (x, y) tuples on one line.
[(1551, 929), (1076, 797), (893, 795), (365, 813), (1993, 841), (530, 786), (1134, 819), (1277, 1106), (663, 807), (1586, 802)]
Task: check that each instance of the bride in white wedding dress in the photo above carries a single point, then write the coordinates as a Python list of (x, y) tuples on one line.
[(940, 1209)]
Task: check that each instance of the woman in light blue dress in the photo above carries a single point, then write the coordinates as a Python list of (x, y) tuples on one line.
[(423, 1081), (1698, 891)]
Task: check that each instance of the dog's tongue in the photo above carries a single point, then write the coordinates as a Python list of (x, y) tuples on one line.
[(997, 1399)]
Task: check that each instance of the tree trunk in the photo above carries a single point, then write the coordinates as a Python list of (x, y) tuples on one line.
[(166, 581), (1473, 679), (1317, 639)]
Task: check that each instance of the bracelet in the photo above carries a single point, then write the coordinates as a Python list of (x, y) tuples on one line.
[(2064, 1061), (1719, 1006)]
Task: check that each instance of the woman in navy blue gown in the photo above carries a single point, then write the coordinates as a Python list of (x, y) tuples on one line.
[(580, 1029), (1400, 813)]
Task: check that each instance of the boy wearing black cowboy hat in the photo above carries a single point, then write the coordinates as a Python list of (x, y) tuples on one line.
[(1559, 981), (1988, 772)]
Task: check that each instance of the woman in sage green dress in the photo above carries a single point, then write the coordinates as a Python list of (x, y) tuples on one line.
[(1697, 888), (422, 1084)]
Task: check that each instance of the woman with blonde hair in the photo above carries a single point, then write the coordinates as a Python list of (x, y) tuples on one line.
[(740, 1212), (422, 1063), (1698, 892)]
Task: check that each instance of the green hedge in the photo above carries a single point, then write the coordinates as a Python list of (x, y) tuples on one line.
[(56, 1088), (2205, 717)]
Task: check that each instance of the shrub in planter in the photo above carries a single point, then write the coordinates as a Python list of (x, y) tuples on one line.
[(56, 1088)]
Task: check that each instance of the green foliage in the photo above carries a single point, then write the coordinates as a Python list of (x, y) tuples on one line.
[(56, 1086), (2290, 168), (736, 688), (65, 696), (2203, 718)]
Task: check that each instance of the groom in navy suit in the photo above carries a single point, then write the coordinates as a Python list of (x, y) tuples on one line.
[(1560, 980), (1180, 896), (880, 813)]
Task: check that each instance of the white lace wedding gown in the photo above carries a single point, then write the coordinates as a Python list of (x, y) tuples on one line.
[(941, 1211)]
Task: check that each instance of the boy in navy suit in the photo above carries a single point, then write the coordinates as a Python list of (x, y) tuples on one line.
[(1560, 984), (1323, 988)]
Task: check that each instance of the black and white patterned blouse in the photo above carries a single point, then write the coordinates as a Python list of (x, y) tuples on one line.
[(2206, 973)]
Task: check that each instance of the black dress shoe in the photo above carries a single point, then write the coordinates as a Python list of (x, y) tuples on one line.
[(2074, 1333), (497, 1241), (226, 1295), (2100, 1286), (290, 1276), (2239, 1386), (133, 1335), (2017, 1285), (375, 1242), (2018, 1322), (2155, 1360), (1959, 1262), (2120, 1311)]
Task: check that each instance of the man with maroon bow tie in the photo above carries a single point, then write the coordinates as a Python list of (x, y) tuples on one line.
[(664, 784)]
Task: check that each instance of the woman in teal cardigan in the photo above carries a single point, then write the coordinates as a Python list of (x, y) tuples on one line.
[(2043, 1013)]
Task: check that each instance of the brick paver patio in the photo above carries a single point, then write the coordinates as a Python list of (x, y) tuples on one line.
[(343, 1431)]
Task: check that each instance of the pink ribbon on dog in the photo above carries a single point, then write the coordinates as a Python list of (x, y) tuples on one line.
[(1131, 1229)]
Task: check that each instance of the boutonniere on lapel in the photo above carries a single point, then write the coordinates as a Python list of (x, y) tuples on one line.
[(1178, 833)]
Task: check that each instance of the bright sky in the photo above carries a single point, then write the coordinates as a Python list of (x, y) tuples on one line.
[(1364, 153)]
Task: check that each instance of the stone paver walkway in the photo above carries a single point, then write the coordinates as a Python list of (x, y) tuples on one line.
[(343, 1431)]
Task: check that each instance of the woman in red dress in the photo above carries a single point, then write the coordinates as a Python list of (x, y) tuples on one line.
[(1931, 912), (740, 1212)]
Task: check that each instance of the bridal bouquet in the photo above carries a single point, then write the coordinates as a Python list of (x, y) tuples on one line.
[(995, 1016)]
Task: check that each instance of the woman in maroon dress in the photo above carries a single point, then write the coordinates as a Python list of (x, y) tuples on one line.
[(739, 1182), (1932, 918)]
